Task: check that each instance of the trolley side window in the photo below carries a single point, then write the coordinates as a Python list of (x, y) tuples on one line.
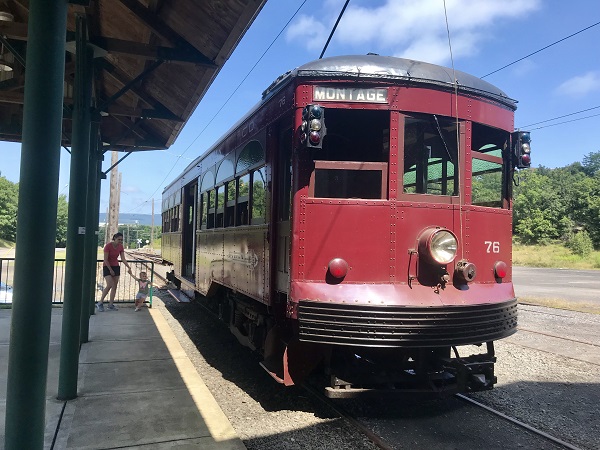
[(220, 206), (259, 196), (243, 188), (175, 218), (211, 208), (230, 203), (204, 211), (353, 162), (430, 156), (487, 169)]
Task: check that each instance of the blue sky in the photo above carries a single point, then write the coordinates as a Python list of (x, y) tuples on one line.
[(485, 36)]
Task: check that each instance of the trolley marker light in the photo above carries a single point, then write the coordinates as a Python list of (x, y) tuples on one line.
[(312, 129), (500, 269), (521, 149), (338, 267)]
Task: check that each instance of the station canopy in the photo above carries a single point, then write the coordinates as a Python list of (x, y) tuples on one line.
[(153, 62)]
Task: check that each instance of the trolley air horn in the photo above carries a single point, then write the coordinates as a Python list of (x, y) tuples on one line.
[(312, 129), (521, 149)]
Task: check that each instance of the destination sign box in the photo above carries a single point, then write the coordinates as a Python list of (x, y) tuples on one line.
[(329, 94)]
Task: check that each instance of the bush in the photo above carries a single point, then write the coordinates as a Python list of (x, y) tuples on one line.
[(581, 244)]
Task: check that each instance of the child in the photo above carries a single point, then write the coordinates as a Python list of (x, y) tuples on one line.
[(144, 289)]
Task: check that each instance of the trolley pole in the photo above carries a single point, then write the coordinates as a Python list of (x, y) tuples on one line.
[(36, 226), (76, 231)]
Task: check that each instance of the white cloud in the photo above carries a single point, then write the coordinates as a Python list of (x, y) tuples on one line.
[(130, 189), (580, 85), (309, 31), (524, 68), (408, 28)]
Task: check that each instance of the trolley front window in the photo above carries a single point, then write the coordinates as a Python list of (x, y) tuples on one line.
[(430, 156), (489, 185), (353, 163)]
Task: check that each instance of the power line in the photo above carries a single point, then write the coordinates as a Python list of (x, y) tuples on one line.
[(334, 28), (566, 121), (224, 104), (559, 117), (544, 48)]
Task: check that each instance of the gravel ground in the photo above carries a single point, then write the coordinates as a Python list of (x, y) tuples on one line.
[(548, 391)]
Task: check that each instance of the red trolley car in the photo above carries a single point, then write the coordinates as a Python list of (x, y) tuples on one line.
[(358, 220)]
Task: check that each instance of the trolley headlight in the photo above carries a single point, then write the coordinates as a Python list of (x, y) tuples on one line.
[(439, 245)]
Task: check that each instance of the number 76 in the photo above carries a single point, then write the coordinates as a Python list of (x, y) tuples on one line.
[(492, 247)]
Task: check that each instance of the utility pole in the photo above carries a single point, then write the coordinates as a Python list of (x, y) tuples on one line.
[(106, 222), (152, 228), (113, 202)]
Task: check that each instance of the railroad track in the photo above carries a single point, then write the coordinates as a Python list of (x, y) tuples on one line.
[(590, 347), (385, 444), (519, 423), (145, 256)]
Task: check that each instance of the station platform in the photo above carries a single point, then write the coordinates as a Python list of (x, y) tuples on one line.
[(136, 389)]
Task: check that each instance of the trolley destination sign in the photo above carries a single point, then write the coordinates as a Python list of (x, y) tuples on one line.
[(330, 94)]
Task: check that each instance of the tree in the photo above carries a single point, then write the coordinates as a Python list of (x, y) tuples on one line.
[(540, 213), (61, 221), (9, 198), (553, 204), (591, 163)]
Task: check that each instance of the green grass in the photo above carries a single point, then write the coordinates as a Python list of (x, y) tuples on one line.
[(559, 303), (6, 244), (553, 256)]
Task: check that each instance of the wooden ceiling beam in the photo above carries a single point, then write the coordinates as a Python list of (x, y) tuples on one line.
[(13, 30), (124, 79), (132, 145), (142, 113), (163, 30), (155, 52)]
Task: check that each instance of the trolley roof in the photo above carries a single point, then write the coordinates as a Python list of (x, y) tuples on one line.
[(379, 67)]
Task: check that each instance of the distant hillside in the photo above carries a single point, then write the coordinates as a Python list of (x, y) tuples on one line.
[(141, 219)]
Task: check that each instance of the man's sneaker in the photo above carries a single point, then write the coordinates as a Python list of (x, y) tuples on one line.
[(137, 308), (112, 308), (100, 306)]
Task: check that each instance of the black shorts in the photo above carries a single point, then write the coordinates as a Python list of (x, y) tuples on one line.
[(116, 270)]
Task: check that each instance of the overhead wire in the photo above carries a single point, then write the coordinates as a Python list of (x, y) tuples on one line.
[(334, 28), (566, 121), (224, 104), (541, 49), (560, 117)]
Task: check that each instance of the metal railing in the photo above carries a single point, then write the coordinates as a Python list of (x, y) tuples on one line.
[(126, 289)]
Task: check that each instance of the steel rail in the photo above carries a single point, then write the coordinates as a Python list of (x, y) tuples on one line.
[(550, 353), (548, 307), (374, 438), (518, 423), (557, 337)]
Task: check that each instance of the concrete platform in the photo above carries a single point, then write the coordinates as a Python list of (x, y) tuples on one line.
[(137, 389)]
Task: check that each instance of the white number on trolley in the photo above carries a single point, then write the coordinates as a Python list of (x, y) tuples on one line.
[(492, 247)]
